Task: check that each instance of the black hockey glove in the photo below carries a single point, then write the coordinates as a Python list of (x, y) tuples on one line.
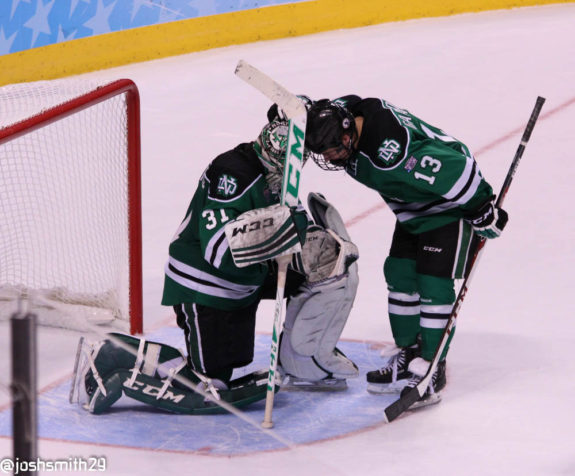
[(488, 221), (275, 113)]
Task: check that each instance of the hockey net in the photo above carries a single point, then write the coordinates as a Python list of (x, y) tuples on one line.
[(70, 214)]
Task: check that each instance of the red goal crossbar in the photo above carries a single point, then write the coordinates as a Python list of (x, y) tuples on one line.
[(73, 106)]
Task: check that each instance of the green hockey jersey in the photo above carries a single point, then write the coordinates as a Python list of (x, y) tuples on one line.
[(200, 268), (426, 177)]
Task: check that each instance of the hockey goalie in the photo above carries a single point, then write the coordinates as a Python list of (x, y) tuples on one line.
[(221, 265)]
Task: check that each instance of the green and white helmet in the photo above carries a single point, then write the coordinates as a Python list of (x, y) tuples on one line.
[(271, 145)]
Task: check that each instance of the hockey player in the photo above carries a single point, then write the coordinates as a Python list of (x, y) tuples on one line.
[(442, 204), (236, 206)]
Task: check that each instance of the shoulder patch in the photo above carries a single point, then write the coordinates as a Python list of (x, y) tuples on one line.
[(383, 139), (232, 172), (227, 185), (389, 151)]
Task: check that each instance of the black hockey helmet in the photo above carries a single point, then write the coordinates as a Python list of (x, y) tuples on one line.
[(327, 122)]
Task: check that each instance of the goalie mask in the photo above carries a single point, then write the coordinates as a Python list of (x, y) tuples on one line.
[(271, 146), (327, 124)]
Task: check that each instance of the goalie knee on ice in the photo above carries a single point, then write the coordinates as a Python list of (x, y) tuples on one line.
[(155, 374)]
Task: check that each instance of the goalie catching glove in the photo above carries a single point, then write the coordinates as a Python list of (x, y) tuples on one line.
[(489, 220), (265, 233)]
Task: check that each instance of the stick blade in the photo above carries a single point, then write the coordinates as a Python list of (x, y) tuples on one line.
[(401, 404)]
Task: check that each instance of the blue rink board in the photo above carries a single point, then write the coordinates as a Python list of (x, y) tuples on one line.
[(301, 417)]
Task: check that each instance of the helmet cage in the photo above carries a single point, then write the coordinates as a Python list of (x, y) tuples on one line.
[(324, 164), (328, 122)]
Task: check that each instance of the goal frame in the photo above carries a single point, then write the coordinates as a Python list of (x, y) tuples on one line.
[(80, 103)]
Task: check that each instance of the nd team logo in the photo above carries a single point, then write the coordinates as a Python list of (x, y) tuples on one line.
[(227, 185), (389, 150)]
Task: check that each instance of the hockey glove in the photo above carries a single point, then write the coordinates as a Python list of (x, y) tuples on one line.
[(275, 113), (265, 233), (488, 221)]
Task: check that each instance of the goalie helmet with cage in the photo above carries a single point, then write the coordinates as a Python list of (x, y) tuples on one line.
[(327, 124), (271, 146)]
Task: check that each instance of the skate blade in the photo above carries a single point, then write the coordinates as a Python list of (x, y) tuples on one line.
[(292, 384), (433, 399), (385, 388)]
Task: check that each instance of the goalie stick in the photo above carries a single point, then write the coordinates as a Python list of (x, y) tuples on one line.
[(413, 395), (296, 112)]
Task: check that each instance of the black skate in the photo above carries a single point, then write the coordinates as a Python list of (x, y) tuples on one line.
[(395, 375), (418, 369)]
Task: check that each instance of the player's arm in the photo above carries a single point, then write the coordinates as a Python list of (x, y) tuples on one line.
[(457, 181), (230, 191)]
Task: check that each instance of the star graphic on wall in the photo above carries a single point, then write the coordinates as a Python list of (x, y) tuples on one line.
[(39, 21), (168, 14), (73, 5), (61, 35), (5, 41), (99, 23), (202, 8), (136, 7)]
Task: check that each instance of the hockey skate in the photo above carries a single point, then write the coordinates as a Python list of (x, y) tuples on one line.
[(418, 369), (290, 383), (394, 376)]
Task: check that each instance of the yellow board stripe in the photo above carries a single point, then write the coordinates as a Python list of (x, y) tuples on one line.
[(168, 39)]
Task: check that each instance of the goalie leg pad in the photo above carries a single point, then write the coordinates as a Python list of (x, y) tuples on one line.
[(315, 319), (88, 388), (316, 316), (183, 400), (102, 368), (146, 371)]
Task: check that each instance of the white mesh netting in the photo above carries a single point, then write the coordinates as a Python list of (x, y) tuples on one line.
[(64, 208)]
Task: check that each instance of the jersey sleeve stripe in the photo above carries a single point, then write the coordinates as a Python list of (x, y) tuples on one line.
[(203, 282)]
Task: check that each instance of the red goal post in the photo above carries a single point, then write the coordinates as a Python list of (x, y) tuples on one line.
[(70, 202)]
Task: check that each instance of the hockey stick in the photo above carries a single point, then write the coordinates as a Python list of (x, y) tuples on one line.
[(296, 112), (414, 394)]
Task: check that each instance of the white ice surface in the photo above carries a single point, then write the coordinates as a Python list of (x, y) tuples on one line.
[(508, 408)]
